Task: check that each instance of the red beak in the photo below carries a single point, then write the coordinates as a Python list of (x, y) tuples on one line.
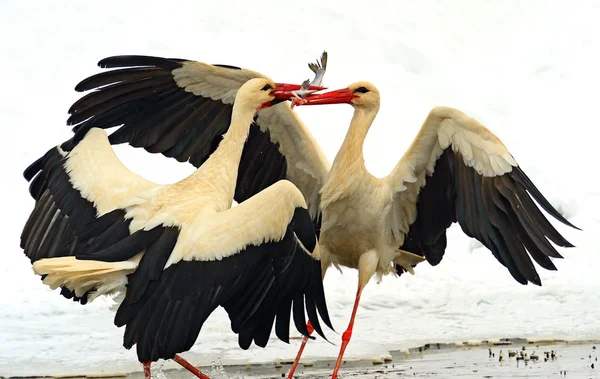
[(340, 96), (283, 91)]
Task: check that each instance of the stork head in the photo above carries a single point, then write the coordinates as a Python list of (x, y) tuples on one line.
[(360, 95), (260, 93)]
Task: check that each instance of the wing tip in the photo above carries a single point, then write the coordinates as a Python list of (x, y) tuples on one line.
[(522, 178), (33, 168), (116, 61)]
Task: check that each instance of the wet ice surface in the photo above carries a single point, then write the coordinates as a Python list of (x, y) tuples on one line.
[(572, 361)]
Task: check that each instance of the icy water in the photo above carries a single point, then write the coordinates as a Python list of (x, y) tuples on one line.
[(573, 360)]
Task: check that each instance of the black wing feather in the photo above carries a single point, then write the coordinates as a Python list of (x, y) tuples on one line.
[(63, 223), (256, 286), (140, 60), (497, 211)]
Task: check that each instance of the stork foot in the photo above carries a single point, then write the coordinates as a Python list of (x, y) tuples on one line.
[(188, 366)]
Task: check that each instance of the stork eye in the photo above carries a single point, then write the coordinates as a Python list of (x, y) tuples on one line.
[(361, 90), (266, 87)]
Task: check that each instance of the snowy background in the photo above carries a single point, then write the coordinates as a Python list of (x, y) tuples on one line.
[(527, 70)]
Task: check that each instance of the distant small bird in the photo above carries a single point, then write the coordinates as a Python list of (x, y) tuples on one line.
[(511, 353), (547, 353), (500, 356), (523, 348), (534, 356), (592, 366), (490, 351), (553, 354)]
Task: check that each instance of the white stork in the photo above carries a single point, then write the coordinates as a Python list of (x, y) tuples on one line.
[(455, 171), (176, 252)]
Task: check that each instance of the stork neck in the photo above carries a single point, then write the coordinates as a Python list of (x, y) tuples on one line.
[(234, 139), (218, 175), (351, 152)]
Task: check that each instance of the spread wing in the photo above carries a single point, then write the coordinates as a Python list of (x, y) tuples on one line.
[(181, 109), (80, 206), (456, 170)]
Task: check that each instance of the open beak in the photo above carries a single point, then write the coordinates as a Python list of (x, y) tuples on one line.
[(340, 96)]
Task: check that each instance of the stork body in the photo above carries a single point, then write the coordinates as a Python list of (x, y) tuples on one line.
[(455, 171), (173, 253), (353, 202)]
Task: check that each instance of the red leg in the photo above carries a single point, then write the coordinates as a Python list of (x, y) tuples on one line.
[(146, 366), (188, 366), (304, 341), (347, 335)]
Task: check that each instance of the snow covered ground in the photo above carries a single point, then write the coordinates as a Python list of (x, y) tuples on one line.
[(527, 70)]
